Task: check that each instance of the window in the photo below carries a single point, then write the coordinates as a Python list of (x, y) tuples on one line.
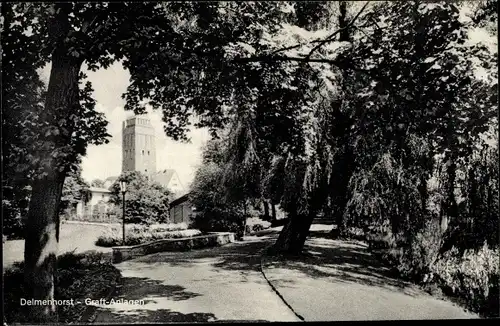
[(142, 152), (102, 196), (148, 152)]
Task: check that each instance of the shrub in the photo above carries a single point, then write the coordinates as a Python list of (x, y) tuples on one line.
[(257, 227), (473, 276), (418, 258), (80, 276), (138, 234), (168, 227)]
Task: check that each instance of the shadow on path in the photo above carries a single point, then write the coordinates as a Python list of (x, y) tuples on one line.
[(151, 316), (221, 284), (147, 290), (342, 280), (342, 262)]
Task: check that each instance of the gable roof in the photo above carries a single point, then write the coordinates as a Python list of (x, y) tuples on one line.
[(164, 176), (180, 200)]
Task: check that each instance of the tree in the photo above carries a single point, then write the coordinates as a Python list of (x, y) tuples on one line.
[(97, 183), (215, 212), (75, 190), (146, 200)]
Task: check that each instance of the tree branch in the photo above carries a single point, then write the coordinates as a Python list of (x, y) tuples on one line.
[(331, 36), (322, 41), (275, 58)]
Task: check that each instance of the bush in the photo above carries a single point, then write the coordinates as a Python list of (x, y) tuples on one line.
[(168, 227), (473, 276), (138, 234), (256, 224), (419, 257), (80, 276)]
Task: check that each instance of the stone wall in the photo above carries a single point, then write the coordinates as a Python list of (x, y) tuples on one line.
[(210, 240)]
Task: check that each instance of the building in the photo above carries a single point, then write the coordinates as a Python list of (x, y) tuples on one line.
[(109, 182), (169, 179), (138, 146), (181, 210), (97, 207), (139, 154)]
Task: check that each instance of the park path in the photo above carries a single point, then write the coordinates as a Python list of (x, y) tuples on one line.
[(342, 281), (223, 283)]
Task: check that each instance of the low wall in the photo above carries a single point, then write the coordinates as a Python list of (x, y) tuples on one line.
[(184, 244)]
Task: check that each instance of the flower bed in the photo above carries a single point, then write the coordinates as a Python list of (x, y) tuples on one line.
[(139, 234)]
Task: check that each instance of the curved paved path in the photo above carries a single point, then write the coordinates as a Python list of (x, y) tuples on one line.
[(341, 281), (223, 283), (337, 280)]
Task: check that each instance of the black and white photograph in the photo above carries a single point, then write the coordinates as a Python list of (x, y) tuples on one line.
[(249, 161)]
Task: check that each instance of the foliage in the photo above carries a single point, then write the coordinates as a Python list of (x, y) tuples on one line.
[(474, 276), (214, 212), (75, 190), (14, 210), (139, 234), (420, 256), (168, 227), (79, 276), (256, 224), (145, 200), (98, 183)]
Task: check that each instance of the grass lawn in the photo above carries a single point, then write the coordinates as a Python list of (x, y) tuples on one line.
[(77, 237)]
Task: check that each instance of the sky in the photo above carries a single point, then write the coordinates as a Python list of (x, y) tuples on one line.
[(106, 160)]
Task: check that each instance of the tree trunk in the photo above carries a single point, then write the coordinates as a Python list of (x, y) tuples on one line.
[(41, 246), (293, 236), (42, 229), (266, 210), (273, 212), (451, 207), (342, 176), (345, 167)]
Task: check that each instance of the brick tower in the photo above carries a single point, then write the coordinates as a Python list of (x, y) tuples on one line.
[(138, 145)]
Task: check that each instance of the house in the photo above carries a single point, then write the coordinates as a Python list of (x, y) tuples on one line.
[(181, 210), (96, 206), (109, 182), (169, 179)]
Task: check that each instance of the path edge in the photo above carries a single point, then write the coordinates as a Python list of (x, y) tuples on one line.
[(274, 288)]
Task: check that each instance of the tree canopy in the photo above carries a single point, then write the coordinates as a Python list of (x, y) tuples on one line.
[(146, 200)]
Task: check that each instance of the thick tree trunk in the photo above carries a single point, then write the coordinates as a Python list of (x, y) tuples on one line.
[(293, 236), (41, 244), (342, 176)]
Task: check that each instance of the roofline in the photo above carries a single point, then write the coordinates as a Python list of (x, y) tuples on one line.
[(179, 200)]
